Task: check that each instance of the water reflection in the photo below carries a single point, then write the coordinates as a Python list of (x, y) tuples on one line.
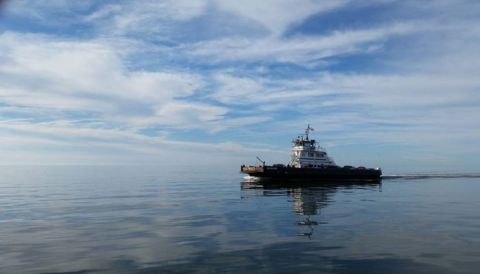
[(308, 198), (120, 220)]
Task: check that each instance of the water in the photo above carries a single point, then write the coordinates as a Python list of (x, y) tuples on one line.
[(149, 220)]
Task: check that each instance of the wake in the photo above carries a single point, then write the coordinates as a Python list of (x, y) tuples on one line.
[(431, 175)]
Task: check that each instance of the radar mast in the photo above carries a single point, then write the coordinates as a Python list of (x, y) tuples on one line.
[(307, 131)]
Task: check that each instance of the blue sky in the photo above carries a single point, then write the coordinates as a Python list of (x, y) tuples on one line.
[(383, 82)]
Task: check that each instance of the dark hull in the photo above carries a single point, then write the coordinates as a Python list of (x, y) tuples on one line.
[(317, 174)]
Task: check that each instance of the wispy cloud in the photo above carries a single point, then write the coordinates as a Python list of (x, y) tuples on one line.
[(277, 15), (46, 73), (306, 50)]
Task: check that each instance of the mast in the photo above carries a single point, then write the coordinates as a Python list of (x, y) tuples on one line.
[(307, 131)]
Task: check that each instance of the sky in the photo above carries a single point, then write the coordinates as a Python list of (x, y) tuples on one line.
[(384, 83)]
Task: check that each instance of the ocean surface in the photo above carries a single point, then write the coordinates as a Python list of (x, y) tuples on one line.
[(56, 219)]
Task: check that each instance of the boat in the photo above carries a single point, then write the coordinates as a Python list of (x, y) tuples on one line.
[(310, 162)]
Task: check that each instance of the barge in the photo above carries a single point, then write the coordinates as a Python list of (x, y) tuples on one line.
[(310, 162)]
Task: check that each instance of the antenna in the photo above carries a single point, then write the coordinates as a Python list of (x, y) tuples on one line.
[(307, 130), (262, 161)]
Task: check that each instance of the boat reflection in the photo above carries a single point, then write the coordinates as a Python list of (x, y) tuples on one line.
[(308, 198)]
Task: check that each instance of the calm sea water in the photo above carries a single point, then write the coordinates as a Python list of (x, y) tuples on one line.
[(154, 220)]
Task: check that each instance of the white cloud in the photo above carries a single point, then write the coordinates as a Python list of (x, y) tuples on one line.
[(184, 115), (432, 109), (305, 50), (153, 16), (263, 93), (236, 90), (103, 12), (54, 83), (147, 16), (388, 90), (277, 15), (65, 11), (83, 76), (112, 145), (418, 90)]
